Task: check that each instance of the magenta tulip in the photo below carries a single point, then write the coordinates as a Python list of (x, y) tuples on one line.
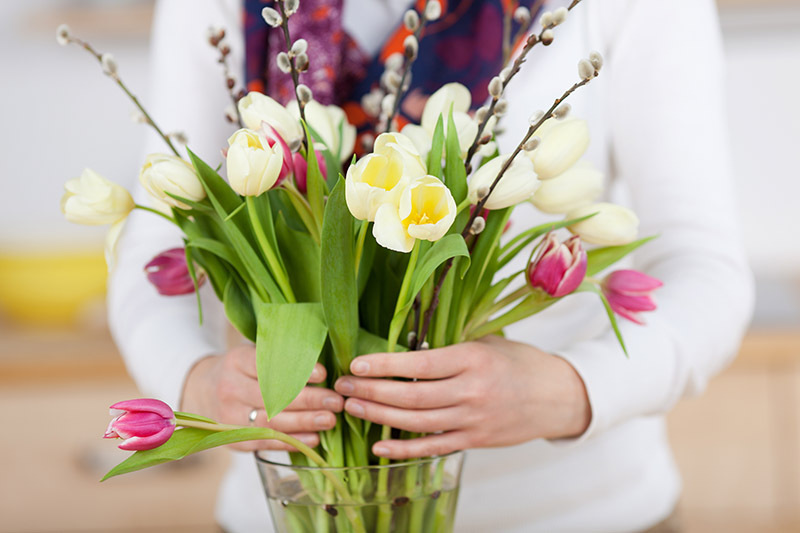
[(144, 424), (287, 167), (169, 273), (629, 292), (559, 268), (301, 169)]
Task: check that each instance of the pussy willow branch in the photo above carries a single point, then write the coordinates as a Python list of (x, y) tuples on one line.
[(86, 46), (295, 73), (515, 68), (401, 89), (482, 202), (224, 53)]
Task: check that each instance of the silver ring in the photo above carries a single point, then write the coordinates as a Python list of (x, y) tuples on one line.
[(252, 416)]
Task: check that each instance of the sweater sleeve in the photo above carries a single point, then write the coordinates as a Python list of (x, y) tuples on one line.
[(669, 147), (160, 337)]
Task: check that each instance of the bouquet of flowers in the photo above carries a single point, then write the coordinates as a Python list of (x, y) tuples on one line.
[(318, 257)]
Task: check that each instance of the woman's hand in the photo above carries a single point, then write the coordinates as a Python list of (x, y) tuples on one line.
[(225, 388), (488, 393)]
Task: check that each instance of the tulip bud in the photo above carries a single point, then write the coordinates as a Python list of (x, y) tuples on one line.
[(611, 225), (169, 273), (517, 184), (63, 35), (301, 169), (143, 424), (271, 17), (163, 175), (330, 123), (426, 210), (93, 200), (253, 165), (578, 186), (559, 268), (629, 292), (563, 143)]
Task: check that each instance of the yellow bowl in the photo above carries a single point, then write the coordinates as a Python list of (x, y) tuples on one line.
[(50, 288)]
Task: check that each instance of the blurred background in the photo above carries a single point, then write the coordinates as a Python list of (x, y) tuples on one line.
[(738, 445)]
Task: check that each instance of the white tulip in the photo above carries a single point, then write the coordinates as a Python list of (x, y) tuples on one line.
[(327, 120), (577, 187), (563, 143), (518, 183), (112, 237), (420, 137), (164, 174), (93, 200), (439, 103), (256, 108), (414, 164), (426, 210), (612, 225), (253, 165)]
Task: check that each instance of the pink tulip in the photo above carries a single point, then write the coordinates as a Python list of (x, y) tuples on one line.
[(144, 424), (629, 292), (559, 268), (287, 167), (169, 273), (301, 169)]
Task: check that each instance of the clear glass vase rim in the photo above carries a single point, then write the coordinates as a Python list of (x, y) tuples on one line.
[(412, 462)]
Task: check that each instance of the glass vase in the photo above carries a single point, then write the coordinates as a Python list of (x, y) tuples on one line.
[(414, 496)]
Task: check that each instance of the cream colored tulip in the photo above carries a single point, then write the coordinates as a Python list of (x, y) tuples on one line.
[(412, 160), (253, 166), (612, 225), (563, 143), (517, 185), (439, 103), (426, 210), (256, 108), (577, 187), (93, 200), (327, 120), (164, 174), (112, 237)]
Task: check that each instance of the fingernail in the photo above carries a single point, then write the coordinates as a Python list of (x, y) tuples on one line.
[(354, 409), (314, 373), (360, 367), (332, 404), (345, 386), (380, 450), (322, 421)]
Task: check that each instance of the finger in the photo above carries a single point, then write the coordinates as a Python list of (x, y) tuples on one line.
[(405, 394), (440, 444), (418, 421), (239, 388), (298, 421), (309, 439), (318, 375), (244, 359), (426, 364), (315, 398)]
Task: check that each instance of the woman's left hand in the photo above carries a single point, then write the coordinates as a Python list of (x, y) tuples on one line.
[(493, 392)]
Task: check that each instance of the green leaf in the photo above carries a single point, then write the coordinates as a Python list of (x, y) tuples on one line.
[(300, 254), (186, 441), (601, 258), (442, 250), (239, 309), (338, 277), (196, 206), (191, 416), (187, 250), (435, 155), (289, 340), (455, 175), (315, 184), (591, 287), (332, 165), (223, 198), (369, 343)]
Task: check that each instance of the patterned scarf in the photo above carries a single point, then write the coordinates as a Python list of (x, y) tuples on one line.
[(463, 45)]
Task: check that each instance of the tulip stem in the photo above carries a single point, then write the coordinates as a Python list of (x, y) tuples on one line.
[(362, 236), (155, 211), (113, 75), (273, 260), (515, 68)]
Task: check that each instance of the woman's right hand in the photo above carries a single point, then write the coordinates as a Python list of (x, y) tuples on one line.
[(225, 388)]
